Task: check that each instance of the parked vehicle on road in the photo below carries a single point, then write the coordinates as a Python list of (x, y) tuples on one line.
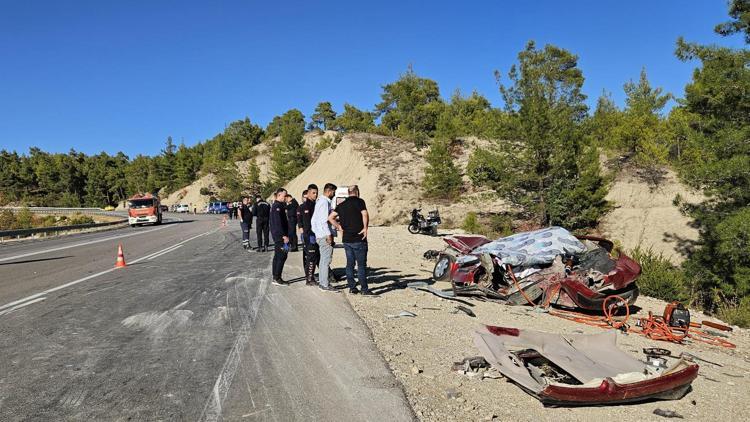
[(420, 224), (548, 266), (182, 208), (144, 209), (218, 208)]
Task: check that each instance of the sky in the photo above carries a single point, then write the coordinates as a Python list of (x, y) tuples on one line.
[(123, 75)]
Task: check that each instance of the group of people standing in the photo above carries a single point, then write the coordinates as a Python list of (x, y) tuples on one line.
[(318, 221)]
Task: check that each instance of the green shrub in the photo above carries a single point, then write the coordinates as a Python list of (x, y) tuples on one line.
[(735, 313), (501, 225), (24, 219), (374, 143), (205, 191), (324, 143), (48, 221), (7, 220), (77, 219), (471, 223), (660, 278)]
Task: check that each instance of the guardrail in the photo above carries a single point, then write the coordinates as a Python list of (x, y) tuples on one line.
[(54, 229), (57, 210)]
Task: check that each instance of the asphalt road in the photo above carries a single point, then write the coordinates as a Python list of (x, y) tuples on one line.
[(191, 329)]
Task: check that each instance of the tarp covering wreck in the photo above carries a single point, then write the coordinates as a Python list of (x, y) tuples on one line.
[(538, 247)]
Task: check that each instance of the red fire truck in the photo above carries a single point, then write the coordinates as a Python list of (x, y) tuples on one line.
[(144, 209)]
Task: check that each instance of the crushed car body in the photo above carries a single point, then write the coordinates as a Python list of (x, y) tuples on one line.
[(579, 369), (548, 266)]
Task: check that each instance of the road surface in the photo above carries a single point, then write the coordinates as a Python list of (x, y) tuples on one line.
[(191, 329)]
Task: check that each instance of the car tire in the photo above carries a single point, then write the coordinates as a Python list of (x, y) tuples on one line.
[(442, 270)]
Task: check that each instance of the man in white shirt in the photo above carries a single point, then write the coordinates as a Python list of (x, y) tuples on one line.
[(324, 234)]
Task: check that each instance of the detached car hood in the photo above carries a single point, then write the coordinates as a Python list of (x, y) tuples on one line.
[(579, 370)]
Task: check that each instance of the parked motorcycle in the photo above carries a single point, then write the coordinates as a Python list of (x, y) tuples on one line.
[(574, 280), (420, 224)]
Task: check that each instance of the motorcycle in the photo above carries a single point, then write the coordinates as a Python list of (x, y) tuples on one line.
[(420, 224), (581, 279)]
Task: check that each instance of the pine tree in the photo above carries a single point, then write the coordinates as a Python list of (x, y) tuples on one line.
[(442, 177), (253, 183), (548, 170), (323, 117), (289, 156)]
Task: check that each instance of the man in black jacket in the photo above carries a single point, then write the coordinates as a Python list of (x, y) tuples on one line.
[(261, 211), (246, 221), (280, 233), (291, 217), (310, 246)]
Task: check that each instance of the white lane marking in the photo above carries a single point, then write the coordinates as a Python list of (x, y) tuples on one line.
[(89, 277), (60, 248), (7, 311), (165, 252)]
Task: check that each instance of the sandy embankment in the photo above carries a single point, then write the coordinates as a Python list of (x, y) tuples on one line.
[(420, 350)]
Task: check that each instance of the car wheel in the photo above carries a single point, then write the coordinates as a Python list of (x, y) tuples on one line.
[(413, 228), (442, 270)]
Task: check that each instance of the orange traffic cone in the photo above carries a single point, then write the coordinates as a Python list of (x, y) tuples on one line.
[(120, 257)]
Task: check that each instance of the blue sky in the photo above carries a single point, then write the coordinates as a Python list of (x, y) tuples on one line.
[(106, 75)]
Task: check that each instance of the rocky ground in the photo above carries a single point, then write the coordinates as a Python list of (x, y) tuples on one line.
[(421, 350)]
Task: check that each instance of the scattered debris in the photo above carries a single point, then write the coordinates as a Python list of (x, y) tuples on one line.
[(732, 375), (402, 314), (416, 284), (431, 255), (416, 370), (716, 325), (465, 310), (690, 356), (444, 294), (470, 364), (492, 373), (715, 333), (667, 413)]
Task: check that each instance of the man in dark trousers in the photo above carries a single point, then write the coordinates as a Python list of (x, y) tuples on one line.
[(311, 251), (299, 228), (291, 217), (261, 211), (351, 218), (246, 221), (280, 234)]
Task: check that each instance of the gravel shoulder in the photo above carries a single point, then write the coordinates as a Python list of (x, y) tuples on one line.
[(421, 350)]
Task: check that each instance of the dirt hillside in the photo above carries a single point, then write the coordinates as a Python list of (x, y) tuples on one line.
[(191, 194), (389, 173), (646, 216), (262, 152)]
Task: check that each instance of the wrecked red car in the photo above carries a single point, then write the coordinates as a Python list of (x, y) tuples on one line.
[(548, 267), (580, 369)]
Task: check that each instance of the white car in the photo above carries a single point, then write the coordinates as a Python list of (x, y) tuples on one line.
[(182, 208), (342, 192)]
